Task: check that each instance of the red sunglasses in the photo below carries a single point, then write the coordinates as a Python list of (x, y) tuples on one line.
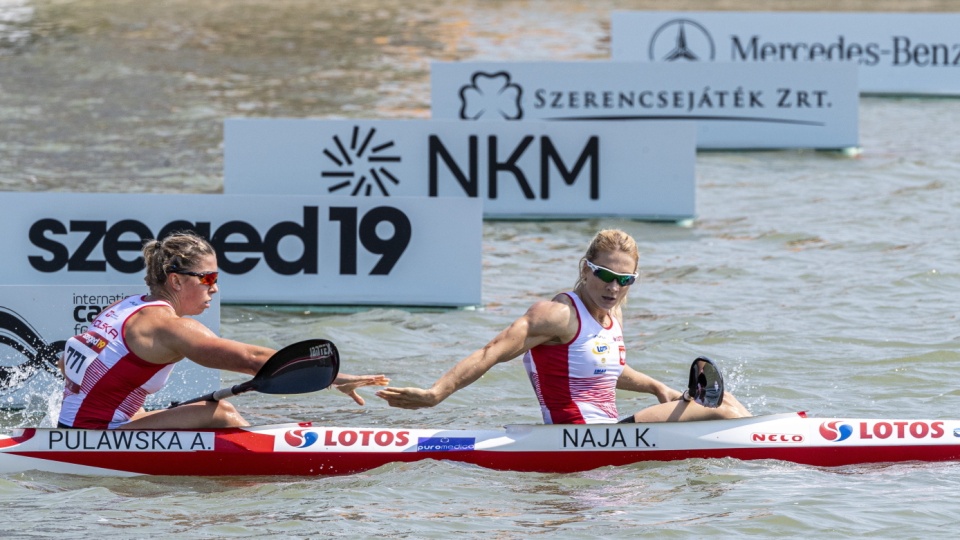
[(207, 278)]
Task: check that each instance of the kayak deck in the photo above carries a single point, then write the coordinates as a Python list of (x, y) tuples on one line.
[(306, 449)]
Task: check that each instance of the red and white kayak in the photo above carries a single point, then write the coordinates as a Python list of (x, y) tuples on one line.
[(306, 449)]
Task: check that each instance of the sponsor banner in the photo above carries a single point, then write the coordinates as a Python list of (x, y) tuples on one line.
[(299, 250), (734, 106), (358, 440), (35, 320), (352, 439), (446, 444), (881, 430), (519, 169), (896, 53)]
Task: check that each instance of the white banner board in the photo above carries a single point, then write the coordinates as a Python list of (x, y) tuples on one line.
[(35, 320), (299, 250), (518, 169), (896, 53), (734, 106)]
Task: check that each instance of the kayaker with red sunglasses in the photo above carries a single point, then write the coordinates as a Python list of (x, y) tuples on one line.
[(129, 351), (573, 351)]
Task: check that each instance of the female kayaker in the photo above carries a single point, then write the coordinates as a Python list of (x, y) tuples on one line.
[(573, 351), (129, 351)]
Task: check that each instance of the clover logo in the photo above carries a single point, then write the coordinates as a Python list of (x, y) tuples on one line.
[(360, 162), (490, 96)]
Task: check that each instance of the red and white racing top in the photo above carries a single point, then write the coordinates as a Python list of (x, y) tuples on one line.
[(576, 382), (106, 383)]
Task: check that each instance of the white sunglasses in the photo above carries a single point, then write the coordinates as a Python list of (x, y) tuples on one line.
[(607, 275)]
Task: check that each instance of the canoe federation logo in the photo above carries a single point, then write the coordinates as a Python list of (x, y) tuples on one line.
[(835, 431), (357, 164), (300, 438), (491, 96), (681, 40), (34, 354)]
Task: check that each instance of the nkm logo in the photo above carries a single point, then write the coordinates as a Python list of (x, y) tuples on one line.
[(681, 39), (361, 164)]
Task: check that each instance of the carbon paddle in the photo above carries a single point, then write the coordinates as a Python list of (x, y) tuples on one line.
[(298, 368)]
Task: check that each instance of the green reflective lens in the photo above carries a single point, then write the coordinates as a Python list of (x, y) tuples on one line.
[(606, 275)]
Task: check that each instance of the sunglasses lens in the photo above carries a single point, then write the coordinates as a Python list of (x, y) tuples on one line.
[(605, 275), (209, 279)]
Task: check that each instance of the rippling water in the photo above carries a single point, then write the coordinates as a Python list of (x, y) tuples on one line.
[(820, 282)]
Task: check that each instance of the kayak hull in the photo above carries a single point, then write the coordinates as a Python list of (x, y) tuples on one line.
[(306, 449)]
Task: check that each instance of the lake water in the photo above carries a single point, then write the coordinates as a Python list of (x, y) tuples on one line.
[(820, 282)]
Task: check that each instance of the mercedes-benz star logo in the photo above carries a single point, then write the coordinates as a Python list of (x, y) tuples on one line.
[(681, 39), (360, 163)]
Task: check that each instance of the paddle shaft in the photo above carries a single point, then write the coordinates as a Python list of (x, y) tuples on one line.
[(302, 367), (217, 395)]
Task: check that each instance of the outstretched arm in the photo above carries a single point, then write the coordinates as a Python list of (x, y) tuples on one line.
[(348, 384), (188, 337), (635, 381), (543, 322)]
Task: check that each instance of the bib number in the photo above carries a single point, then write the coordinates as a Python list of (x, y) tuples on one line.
[(79, 353)]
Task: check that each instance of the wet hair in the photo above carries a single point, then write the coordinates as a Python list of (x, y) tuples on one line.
[(605, 241), (177, 251)]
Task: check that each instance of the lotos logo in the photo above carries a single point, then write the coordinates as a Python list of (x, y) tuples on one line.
[(360, 164), (835, 431), (366, 437), (901, 429), (681, 39), (300, 438), (600, 348), (490, 96)]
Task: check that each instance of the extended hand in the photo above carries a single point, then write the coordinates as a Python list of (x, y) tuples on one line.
[(348, 384), (667, 394), (408, 398)]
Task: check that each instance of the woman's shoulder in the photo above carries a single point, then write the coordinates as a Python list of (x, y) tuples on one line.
[(559, 302), (565, 298), (556, 318), (559, 307)]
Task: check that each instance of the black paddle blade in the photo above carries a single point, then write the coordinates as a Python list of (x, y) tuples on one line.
[(706, 383), (299, 368)]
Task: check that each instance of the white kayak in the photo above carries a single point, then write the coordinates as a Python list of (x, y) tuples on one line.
[(308, 449)]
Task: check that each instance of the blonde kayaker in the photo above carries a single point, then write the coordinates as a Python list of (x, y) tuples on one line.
[(573, 351)]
